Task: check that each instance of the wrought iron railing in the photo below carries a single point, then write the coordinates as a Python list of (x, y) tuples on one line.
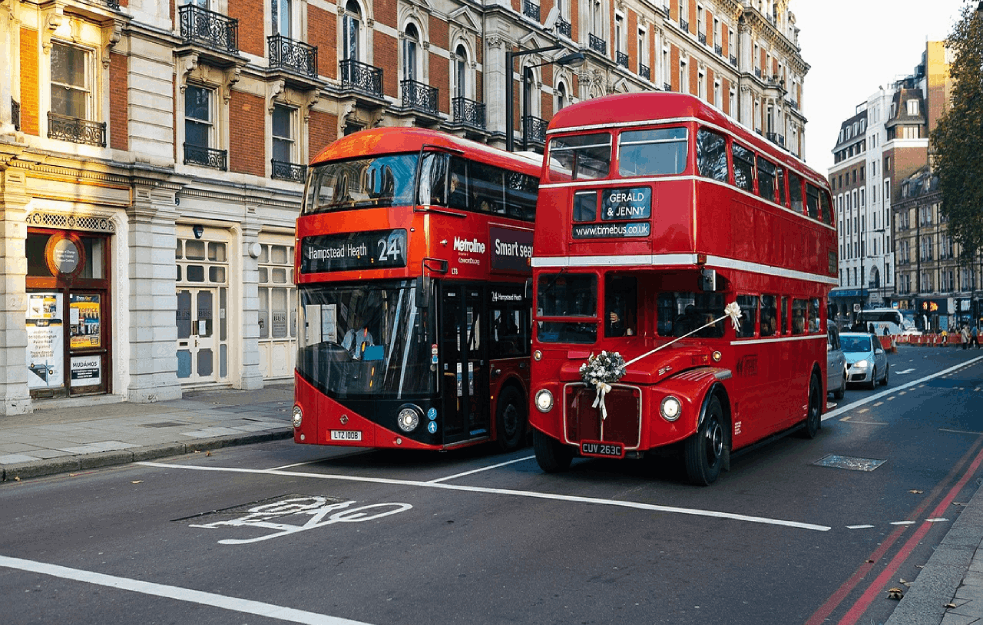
[(666, 86), (292, 55), (469, 112), (702, 37), (644, 71), (208, 28), (113, 4), (530, 9), (684, 24), (15, 114), (757, 72), (564, 27), (622, 59), (283, 170), (776, 138), (533, 130), (76, 130), (208, 157), (361, 77), (597, 44), (419, 96), (719, 49), (733, 60)]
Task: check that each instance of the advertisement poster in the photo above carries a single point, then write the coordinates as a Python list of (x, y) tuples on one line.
[(85, 313), (45, 340), (86, 370)]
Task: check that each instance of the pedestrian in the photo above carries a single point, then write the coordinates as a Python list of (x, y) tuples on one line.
[(945, 337), (964, 337), (974, 337)]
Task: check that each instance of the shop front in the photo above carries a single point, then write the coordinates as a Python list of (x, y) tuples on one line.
[(69, 350), (938, 311)]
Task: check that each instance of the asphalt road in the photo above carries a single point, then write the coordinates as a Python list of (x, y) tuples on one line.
[(797, 532)]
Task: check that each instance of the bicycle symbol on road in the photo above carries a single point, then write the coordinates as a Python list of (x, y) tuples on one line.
[(317, 508)]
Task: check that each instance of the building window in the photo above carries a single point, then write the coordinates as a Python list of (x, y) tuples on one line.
[(461, 72), (351, 32), (283, 141), (561, 96), (411, 52), (198, 127), (282, 14), (71, 94)]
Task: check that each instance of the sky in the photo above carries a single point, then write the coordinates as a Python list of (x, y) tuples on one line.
[(853, 46)]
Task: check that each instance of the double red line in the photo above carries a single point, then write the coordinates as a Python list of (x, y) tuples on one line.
[(877, 585)]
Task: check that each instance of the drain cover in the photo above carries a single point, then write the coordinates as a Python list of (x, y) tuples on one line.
[(846, 462)]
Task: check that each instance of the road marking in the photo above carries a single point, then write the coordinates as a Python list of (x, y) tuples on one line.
[(505, 491), (960, 431), (859, 527), (494, 466), (880, 403), (936, 520), (920, 381), (902, 523), (903, 372), (233, 604)]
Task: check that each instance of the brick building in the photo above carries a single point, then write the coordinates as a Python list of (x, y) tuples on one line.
[(152, 153)]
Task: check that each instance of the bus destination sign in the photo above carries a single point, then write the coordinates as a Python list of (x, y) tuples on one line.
[(624, 204), (381, 249)]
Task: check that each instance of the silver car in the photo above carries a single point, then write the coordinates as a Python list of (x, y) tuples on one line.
[(866, 362), (835, 363)]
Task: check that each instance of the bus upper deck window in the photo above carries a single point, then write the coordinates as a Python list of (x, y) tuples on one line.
[(766, 179), (812, 201), (827, 207), (711, 155), (795, 191), (652, 152), (743, 167), (581, 156)]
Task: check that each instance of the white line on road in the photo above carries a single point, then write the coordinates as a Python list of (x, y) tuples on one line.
[(859, 527), (902, 523), (175, 592), (903, 372), (494, 466), (834, 413), (505, 491)]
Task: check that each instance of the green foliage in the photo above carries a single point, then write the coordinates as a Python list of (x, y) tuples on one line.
[(957, 141)]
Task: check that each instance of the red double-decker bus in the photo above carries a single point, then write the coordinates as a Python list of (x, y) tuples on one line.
[(412, 268), (663, 211)]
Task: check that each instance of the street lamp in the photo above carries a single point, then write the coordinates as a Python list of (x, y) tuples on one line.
[(573, 59)]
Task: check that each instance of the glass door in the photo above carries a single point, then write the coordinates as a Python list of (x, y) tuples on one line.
[(464, 363)]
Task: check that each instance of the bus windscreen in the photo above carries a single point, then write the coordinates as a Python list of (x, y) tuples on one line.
[(362, 183)]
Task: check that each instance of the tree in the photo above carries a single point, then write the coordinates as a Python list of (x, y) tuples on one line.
[(957, 141)]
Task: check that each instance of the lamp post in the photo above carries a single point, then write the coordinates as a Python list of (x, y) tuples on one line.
[(574, 59)]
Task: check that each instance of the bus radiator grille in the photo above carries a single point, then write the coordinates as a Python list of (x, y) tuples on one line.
[(583, 422)]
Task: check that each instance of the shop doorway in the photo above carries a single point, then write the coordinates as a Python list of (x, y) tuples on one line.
[(202, 307)]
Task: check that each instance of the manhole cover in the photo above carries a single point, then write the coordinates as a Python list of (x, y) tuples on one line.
[(846, 462)]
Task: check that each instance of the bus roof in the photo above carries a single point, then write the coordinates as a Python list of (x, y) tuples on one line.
[(402, 140), (620, 110)]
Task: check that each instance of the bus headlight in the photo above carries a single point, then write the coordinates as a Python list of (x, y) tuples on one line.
[(670, 408), (297, 416), (408, 418), (544, 400)]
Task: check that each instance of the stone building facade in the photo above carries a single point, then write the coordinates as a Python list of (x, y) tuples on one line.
[(152, 154)]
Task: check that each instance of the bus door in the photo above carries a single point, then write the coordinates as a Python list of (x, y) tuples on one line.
[(464, 363)]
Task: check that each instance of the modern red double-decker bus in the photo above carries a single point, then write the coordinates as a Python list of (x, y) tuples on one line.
[(412, 269), (662, 212)]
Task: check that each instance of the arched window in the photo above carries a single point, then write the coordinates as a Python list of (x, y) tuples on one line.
[(351, 32), (411, 51), (561, 96), (528, 85), (461, 72)]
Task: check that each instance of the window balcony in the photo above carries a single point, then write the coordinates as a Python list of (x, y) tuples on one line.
[(533, 131), (469, 113), (644, 71), (283, 170), (622, 59), (702, 37), (684, 24), (419, 97), (776, 138), (666, 86), (74, 129), (733, 60), (757, 72), (15, 114), (361, 77), (564, 27), (530, 10), (207, 28), (718, 49), (205, 156), (292, 55), (113, 4), (597, 44)]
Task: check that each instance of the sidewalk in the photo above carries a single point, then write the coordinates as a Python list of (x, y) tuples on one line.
[(62, 436)]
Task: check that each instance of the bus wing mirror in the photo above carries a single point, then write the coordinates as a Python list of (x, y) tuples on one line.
[(708, 280)]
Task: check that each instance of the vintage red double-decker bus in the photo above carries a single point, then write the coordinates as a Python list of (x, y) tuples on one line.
[(412, 267), (663, 211)]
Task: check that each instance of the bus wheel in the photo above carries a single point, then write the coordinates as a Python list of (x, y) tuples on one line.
[(510, 419), (703, 453), (814, 418), (552, 455)]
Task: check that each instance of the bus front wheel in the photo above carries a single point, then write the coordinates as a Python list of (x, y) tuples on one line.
[(703, 453), (551, 454), (510, 419)]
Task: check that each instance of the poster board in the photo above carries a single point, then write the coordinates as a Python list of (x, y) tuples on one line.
[(45, 340)]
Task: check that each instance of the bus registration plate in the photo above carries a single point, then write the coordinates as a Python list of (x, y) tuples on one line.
[(598, 449), (346, 435)]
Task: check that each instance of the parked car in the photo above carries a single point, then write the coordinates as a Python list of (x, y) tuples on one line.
[(866, 362), (835, 363)]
